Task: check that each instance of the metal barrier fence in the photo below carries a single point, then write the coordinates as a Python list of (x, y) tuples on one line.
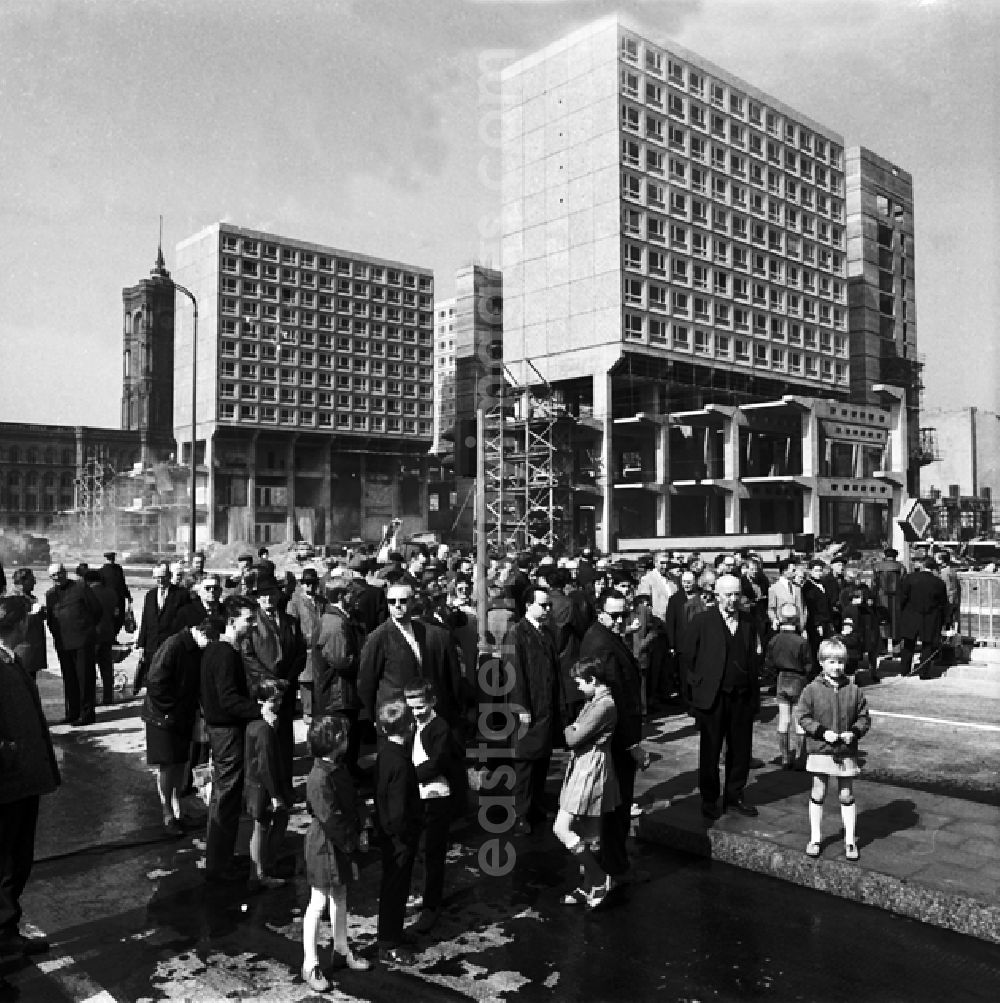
[(980, 607)]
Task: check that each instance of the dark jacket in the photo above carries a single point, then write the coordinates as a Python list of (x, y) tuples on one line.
[(624, 681), (531, 664), (445, 758), (107, 626), (113, 576), (28, 765), (703, 656), (158, 624), (274, 648), (335, 660), (73, 612), (369, 606), (397, 796), (923, 606), (225, 696), (173, 684), (388, 664)]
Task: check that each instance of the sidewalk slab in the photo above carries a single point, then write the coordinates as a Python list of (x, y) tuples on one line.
[(926, 856)]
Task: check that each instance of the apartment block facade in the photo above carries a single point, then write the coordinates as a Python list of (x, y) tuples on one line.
[(675, 239), (314, 386)]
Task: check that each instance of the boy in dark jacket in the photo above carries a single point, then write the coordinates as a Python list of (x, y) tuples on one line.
[(397, 804)]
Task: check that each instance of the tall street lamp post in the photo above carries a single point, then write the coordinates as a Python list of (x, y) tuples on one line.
[(194, 426)]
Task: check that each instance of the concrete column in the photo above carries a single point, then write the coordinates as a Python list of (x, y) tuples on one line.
[(810, 470), (605, 481), (290, 486), (323, 534), (252, 487), (209, 488), (731, 470), (362, 477), (663, 477)]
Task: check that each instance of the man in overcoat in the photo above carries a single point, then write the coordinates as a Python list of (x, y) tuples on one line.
[(923, 607), (532, 664), (159, 620)]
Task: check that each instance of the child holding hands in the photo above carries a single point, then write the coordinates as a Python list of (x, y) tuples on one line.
[(833, 712), (331, 843), (590, 787)]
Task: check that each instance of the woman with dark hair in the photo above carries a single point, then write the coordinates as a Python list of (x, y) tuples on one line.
[(173, 685)]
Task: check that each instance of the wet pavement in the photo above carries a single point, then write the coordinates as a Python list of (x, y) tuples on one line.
[(130, 918)]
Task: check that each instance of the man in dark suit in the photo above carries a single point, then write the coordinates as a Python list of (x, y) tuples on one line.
[(393, 653), (721, 654), (923, 606), (113, 576), (159, 620), (604, 641), (73, 613), (531, 663), (518, 584)]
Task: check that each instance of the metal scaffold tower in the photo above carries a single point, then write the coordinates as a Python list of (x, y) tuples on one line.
[(527, 474), (94, 499)]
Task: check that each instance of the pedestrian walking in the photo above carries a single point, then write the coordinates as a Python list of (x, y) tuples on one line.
[(169, 709), (590, 787), (331, 848), (833, 712)]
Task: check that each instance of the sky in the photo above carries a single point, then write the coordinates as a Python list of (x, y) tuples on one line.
[(372, 126)]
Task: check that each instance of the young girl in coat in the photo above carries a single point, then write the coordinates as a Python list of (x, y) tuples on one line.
[(590, 787), (331, 843), (833, 712), (789, 660)]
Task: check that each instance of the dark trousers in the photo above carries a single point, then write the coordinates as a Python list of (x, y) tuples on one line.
[(286, 752), (79, 674), (227, 795), (106, 666), (353, 753), (529, 787), (928, 654), (664, 677), (394, 889), (615, 825), (437, 824), (18, 820), (728, 721)]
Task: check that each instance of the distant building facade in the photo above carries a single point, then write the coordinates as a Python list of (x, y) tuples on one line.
[(315, 382)]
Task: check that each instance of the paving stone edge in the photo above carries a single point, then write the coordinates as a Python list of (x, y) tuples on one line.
[(961, 913)]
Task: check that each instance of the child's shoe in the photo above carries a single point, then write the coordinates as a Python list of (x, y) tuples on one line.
[(315, 979), (851, 851), (350, 960)]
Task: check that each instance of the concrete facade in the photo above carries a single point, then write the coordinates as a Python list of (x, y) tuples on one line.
[(314, 387), (675, 248)]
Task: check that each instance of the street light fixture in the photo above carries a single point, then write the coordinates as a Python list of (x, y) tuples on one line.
[(194, 405)]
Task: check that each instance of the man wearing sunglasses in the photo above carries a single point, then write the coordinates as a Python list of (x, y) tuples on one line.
[(394, 653), (530, 654), (605, 641)]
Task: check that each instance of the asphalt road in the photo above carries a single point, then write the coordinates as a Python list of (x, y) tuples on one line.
[(131, 919)]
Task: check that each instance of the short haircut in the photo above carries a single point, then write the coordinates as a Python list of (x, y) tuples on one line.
[(13, 611), (393, 717), (327, 734), (788, 612), (422, 689), (610, 594), (784, 565), (234, 605), (832, 648), (817, 562), (21, 575), (209, 627), (591, 668)]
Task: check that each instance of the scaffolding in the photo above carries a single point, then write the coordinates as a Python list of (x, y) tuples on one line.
[(528, 466), (94, 485)]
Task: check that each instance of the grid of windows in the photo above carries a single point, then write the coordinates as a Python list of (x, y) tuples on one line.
[(317, 315), (754, 242)]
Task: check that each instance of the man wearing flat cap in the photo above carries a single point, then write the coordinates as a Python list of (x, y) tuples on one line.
[(113, 576)]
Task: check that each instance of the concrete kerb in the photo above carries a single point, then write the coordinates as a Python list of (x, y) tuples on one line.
[(684, 830)]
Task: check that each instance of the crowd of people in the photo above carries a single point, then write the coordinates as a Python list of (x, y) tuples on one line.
[(386, 655)]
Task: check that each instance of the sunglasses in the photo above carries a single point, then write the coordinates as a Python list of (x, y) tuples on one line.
[(398, 602)]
